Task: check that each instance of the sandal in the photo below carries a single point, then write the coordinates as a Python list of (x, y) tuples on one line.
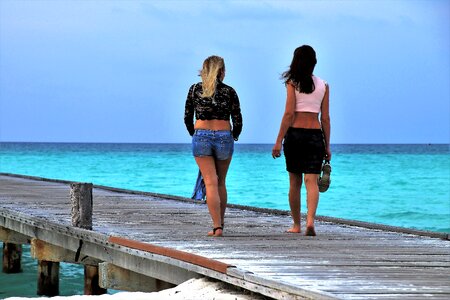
[(325, 179), (213, 232)]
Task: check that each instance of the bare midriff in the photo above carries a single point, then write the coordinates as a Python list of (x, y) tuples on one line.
[(307, 120), (212, 124)]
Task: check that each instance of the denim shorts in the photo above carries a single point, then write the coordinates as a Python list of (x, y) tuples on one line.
[(216, 143)]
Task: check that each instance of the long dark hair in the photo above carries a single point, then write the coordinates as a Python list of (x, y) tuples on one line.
[(301, 69)]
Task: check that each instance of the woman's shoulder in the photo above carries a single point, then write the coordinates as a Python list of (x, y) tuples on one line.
[(194, 85), (291, 83), (318, 79), (226, 87), (195, 89)]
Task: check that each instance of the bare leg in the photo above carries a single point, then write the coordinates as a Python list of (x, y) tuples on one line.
[(222, 169), (208, 168), (295, 184), (312, 201)]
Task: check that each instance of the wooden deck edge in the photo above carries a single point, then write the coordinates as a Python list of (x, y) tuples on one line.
[(172, 253), (214, 269), (65, 229), (35, 178), (106, 240), (363, 224)]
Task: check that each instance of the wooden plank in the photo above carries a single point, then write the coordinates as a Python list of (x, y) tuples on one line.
[(180, 255)]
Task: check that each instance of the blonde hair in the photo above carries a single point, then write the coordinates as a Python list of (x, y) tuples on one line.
[(213, 67)]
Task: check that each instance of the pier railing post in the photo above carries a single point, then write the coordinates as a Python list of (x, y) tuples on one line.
[(12, 254), (82, 203), (81, 198)]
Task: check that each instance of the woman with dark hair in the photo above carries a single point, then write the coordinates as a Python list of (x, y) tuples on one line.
[(306, 138), (213, 103)]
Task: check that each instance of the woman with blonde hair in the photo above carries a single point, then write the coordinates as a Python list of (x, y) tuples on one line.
[(213, 103), (306, 138)]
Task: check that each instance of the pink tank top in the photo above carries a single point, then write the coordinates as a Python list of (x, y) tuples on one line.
[(311, 102)]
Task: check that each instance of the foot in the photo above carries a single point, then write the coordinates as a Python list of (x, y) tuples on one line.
[(310, 231), (294, 229), (218, 231)]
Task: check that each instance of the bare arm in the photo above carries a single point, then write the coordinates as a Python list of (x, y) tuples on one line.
[(325, 121), (286, 122)]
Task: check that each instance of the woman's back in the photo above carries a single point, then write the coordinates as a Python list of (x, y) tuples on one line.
[(310, 102), (308, 106)]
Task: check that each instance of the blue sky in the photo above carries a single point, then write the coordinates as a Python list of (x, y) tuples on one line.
[(119, 71)]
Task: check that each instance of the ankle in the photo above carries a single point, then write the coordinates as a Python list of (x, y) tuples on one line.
[(310, 222)]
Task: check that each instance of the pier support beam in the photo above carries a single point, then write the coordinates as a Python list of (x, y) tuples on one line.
[(12, 250), (48, 278), (10, 236), (41, 250), (12, 255), (91, 281), (118, 278)]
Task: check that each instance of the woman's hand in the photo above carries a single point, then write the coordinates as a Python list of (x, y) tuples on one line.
[(276, 150), (327, 154)]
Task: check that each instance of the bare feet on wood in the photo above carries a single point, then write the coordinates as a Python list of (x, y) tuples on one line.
[(310, 231), (294, 229)]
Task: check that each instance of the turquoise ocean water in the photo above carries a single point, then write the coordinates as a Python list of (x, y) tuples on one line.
[(400, 185)]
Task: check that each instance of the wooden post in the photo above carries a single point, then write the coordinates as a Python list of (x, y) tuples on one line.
[(91, 281), (12, 254), (48, 278), (81, 198), (82, 203)]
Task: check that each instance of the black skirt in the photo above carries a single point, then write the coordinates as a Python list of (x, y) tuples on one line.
[(304, 150)]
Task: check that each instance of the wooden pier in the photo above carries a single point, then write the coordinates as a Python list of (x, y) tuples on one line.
[(162, 240)]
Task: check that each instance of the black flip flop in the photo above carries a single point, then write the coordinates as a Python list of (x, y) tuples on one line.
[(325, 178)]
